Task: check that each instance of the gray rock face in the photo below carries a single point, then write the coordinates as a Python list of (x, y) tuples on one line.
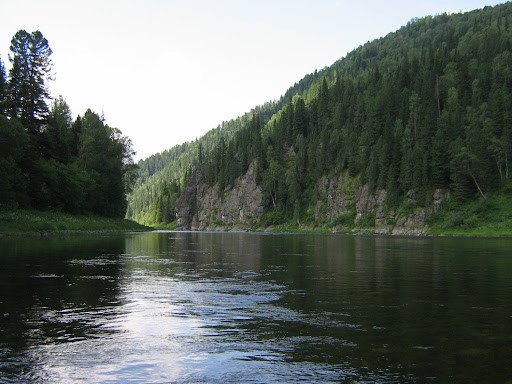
[(439, 197), (334, 200), (341, 200), (335, 193), (203, 207), (412, 224), (187, 202), (367, 202)]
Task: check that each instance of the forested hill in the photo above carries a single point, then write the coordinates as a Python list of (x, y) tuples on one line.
[(380, 138), (161, 176)]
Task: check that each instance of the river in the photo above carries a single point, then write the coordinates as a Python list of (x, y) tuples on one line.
[(254, 308)]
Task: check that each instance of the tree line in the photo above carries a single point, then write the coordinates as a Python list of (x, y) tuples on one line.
[(47, 159), (161, 177), (428, 106)]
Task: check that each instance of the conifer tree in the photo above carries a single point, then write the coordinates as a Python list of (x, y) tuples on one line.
[(58, 130), (31, 69), (3, 88)]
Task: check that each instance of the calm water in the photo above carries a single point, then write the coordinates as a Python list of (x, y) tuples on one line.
[(230, 308)]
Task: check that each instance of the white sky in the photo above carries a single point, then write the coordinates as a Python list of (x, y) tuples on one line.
[(166, 71)]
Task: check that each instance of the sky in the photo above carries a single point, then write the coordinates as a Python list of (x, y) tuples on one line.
[(167, 71)]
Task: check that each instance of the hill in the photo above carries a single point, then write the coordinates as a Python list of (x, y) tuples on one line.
[(402, 129), (162, 176)]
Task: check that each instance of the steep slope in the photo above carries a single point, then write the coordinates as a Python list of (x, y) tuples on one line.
[(378, 140), (162, 176)]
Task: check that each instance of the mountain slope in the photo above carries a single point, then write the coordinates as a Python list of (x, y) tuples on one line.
[(379, 139), (161, 176)]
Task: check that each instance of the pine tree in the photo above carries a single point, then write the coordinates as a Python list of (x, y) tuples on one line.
[(75, 136), (58, 130), (14, 143), (3, 89), (105, 154), (300, 118), (439, 159), (200, 155), (27, 90)]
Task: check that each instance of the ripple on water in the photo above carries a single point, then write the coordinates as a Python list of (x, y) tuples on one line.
[(93, 262), (46, 276), (224, 318)]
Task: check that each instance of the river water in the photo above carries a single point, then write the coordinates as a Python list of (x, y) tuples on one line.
[(254, 308)]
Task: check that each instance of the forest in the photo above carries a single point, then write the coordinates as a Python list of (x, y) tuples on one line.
[(428, 106), (48, 160)]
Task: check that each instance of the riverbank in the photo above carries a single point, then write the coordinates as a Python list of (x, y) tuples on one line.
[(483, 217), (49, 222), (483, 232)]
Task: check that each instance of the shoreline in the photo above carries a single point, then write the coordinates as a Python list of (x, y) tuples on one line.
[(49, 223), (46, 223), (319, 231), (324, 231), (71, 232)]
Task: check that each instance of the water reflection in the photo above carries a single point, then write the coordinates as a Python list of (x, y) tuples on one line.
[(49, 297), (223, 307)]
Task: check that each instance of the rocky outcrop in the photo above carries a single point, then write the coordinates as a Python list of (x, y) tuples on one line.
[(410, 224), (337, 198), (439, 197), (186, 204), (341, 202), (335, 195), (203, 207)]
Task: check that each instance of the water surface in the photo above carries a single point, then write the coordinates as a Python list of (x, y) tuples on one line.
[(230, 308)]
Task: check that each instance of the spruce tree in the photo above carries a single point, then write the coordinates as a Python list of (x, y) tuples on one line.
[(3, 86), (58, 132), (27, 90)]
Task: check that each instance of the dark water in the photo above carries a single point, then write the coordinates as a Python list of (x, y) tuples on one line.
[(230, 308)]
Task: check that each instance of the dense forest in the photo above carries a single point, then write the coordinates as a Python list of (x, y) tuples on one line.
[(428, 106), (162, 176), (47, 159)]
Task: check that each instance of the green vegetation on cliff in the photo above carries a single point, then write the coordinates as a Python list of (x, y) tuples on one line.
[(426, 108), (161, 177), (491, 216)]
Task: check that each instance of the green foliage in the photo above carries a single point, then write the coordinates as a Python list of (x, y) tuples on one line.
[(46, 160), (3, 89), (345, 219), (428, 106), (21, 221), (14, 145), (273, 217), (490, 216), (367, 221), (58, 135), (27, 90)]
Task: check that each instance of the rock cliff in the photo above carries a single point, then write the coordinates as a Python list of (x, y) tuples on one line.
[(203, 207), (346, 203), (342, 203)]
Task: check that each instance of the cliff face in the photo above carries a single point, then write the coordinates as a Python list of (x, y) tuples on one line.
[(345, 202), (203, 207), (342, 202)]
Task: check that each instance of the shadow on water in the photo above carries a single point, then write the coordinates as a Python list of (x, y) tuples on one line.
[(52, 294), (227, 307)]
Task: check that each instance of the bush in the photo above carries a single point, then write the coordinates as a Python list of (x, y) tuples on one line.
[(367, 221), (345, 219), (455, 219), (273, 217)]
